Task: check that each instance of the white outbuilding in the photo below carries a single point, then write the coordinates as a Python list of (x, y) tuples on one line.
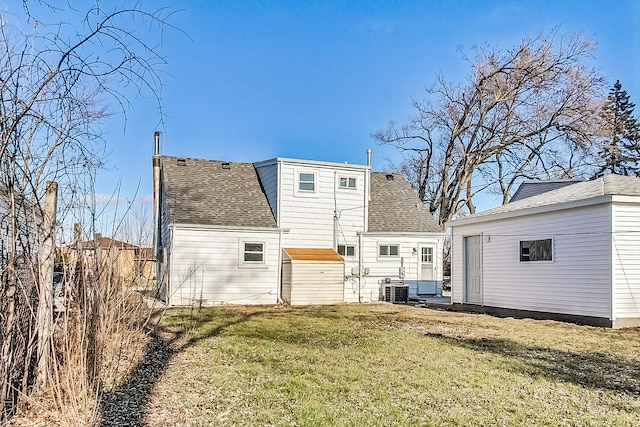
[(570, 254)]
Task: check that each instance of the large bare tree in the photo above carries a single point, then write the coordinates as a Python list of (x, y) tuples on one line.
[(524, 112)]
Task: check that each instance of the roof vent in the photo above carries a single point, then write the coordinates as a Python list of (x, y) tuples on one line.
[(226, 165), (182, 162), (389, 177)]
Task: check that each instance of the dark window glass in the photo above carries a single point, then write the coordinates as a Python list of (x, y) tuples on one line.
[(536, 250)]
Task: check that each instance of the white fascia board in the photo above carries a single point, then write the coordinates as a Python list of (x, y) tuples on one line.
[(403, 233), (230, 228), (634, 200), (315, 163), (481, 217)]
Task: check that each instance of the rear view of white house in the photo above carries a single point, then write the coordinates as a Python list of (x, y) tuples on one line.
[(264, 233)]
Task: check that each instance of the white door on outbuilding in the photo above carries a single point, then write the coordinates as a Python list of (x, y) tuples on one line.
[(473, 269)]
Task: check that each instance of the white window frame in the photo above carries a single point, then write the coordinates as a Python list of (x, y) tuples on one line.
[(430, 254), (520, 254), (388, 256), (300, 192), (347, 180), (346, 250), (242, 250)]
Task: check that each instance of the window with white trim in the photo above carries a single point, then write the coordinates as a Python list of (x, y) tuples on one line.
[(347, 250), (536, 250), (427, 254), (388, 250), (348, 182), (253, 253), (306, 181)]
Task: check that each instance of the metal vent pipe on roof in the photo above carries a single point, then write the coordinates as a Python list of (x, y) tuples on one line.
[(156, 145), (369, 157)]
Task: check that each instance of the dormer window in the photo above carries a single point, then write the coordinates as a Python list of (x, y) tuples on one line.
[(306, 181), (348, 182)]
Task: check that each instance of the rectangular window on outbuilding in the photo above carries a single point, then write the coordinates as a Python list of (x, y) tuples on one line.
[(388, 250), (347, 182), (536, 250), (347, 250)]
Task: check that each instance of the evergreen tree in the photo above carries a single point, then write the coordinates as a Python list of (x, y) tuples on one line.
[(621, 149)]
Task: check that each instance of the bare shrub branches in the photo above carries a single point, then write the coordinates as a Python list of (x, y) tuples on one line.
[(58, 81)]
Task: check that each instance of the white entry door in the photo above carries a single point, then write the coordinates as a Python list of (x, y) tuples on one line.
[(473, 269), (426, 263)]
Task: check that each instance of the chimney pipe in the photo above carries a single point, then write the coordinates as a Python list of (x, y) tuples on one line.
[(369, 157), (156, 193), (156, 146)]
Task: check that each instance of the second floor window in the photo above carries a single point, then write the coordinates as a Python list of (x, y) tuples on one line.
[(306, 181), (347, 182)]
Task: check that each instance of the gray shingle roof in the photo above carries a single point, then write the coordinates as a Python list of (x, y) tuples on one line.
[(608, 185), (533, 188), (202, 192), (395, 207)]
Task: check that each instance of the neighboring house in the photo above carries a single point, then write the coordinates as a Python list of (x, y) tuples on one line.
[(568, 254), (224, 230), (132, 263)]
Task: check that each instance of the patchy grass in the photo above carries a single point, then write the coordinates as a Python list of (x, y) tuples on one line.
[(381, 365)]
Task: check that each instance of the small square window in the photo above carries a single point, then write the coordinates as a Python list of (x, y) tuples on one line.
[(388, 250), (347, 250), (307, 181), (253, 252), (347, 182)]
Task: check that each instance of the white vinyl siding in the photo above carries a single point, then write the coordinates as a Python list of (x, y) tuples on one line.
[(626, 260), (205, 265), (389, 268), (576, 282), (309, 217)]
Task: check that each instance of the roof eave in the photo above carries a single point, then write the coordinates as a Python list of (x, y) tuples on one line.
[(487, 217), (228, 227)]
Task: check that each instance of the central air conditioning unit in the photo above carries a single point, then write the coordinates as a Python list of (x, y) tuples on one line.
[(396, 293)]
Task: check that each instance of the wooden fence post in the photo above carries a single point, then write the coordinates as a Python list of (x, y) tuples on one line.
[(45, 298)]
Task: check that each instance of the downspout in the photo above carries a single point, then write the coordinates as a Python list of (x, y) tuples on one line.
[(279, 289), (359, 267), (365, 220), (335, 212), (367, 195)]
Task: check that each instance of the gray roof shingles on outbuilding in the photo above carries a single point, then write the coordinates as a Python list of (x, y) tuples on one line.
[(203, 192), (534, 188), (608, 185), (395, 207)]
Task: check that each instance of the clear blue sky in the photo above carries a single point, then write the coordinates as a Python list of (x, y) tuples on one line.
[(314, 79)]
